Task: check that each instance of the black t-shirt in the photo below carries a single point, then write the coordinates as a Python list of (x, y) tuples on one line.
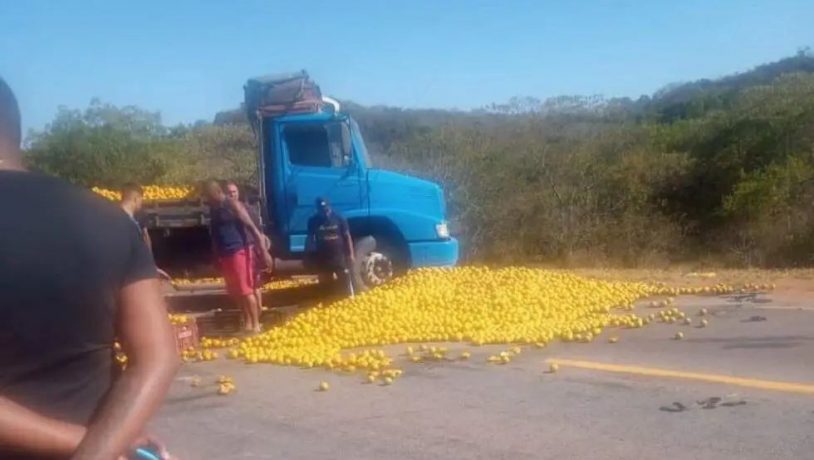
[(141, 220), (64, 255), (329, 232)]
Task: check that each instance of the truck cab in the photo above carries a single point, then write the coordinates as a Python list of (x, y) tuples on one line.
[(397, 221)]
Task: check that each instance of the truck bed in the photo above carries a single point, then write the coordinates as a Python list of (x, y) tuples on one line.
[(179, 231), (202, 297)]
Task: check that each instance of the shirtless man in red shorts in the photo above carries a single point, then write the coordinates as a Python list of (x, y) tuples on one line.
[(230, 227), (233, 192)]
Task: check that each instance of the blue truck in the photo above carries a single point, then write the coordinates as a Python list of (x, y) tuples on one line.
[(397, 221)]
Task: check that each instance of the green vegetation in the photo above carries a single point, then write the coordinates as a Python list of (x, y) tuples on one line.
[(714, 171), (108, 146)]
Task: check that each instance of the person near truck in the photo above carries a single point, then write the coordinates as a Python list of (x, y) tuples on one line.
[(329, 246), (230, 229), (74, 274), (233, 192), (132, 202)]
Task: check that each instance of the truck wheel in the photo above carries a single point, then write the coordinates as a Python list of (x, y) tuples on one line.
[(374, 263)]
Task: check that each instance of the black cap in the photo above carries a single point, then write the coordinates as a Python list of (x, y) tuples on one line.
[(321, 202)]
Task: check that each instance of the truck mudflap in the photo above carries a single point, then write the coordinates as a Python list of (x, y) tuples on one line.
[(441, 253)]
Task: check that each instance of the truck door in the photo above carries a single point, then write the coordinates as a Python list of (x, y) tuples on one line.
[(318, 163)]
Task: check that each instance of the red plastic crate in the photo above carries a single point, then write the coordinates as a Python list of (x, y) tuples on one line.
[(186, 335)]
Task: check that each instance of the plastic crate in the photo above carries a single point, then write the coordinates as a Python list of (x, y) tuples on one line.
[(186, 335), (224, 322)]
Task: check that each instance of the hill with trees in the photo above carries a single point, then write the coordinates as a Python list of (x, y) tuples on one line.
[(717, 171)]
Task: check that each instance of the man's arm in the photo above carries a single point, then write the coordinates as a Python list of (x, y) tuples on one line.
[(152, 361), (265, 243), (311, 237), (348, 239), (145, 235), (26, 431)]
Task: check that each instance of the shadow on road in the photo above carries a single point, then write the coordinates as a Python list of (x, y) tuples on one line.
[(770, 342)]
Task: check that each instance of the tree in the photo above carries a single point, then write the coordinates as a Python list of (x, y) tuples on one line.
[(721, 168), (213, 151), (102, 145), (108, 146)]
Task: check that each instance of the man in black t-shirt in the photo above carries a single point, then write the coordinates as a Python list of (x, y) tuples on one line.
[(329, 245), (74, 275), (132, 203)]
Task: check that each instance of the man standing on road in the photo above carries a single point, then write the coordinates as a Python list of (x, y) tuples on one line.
[(74, 275), (233, 192), (329, 246), (132, 203), (230, 227)]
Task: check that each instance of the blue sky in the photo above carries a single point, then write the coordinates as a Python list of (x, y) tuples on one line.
[(189, 59)]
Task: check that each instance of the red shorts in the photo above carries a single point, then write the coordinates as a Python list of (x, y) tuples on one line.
[(238, 272)]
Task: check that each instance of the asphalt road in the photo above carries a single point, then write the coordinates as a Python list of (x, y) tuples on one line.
[(474, 410)]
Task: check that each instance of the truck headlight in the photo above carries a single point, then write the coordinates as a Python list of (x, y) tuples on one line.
[(442, 230)]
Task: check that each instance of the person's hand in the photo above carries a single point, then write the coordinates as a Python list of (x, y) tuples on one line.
[(163, 275), (266, 243), (150, 442), (268, 261)]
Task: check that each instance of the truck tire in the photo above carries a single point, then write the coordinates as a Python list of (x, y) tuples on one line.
[(375, 263)]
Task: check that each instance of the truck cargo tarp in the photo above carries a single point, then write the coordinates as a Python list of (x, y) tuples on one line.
[(281, 93)]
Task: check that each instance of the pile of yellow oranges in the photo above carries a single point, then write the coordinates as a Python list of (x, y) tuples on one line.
[(226, 385), (475, 305), (153, 193), (270, 286), (468, 304), (178, 320), (191, 355), (504, 357), (194, 281), (208, 342), (288, 283)]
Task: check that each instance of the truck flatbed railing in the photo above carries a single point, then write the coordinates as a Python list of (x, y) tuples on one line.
[(192, 212)]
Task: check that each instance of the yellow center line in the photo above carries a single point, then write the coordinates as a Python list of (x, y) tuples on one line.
[(789, 387)]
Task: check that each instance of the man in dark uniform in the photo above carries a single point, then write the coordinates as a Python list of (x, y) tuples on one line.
[(74, 275), (329, 246)]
